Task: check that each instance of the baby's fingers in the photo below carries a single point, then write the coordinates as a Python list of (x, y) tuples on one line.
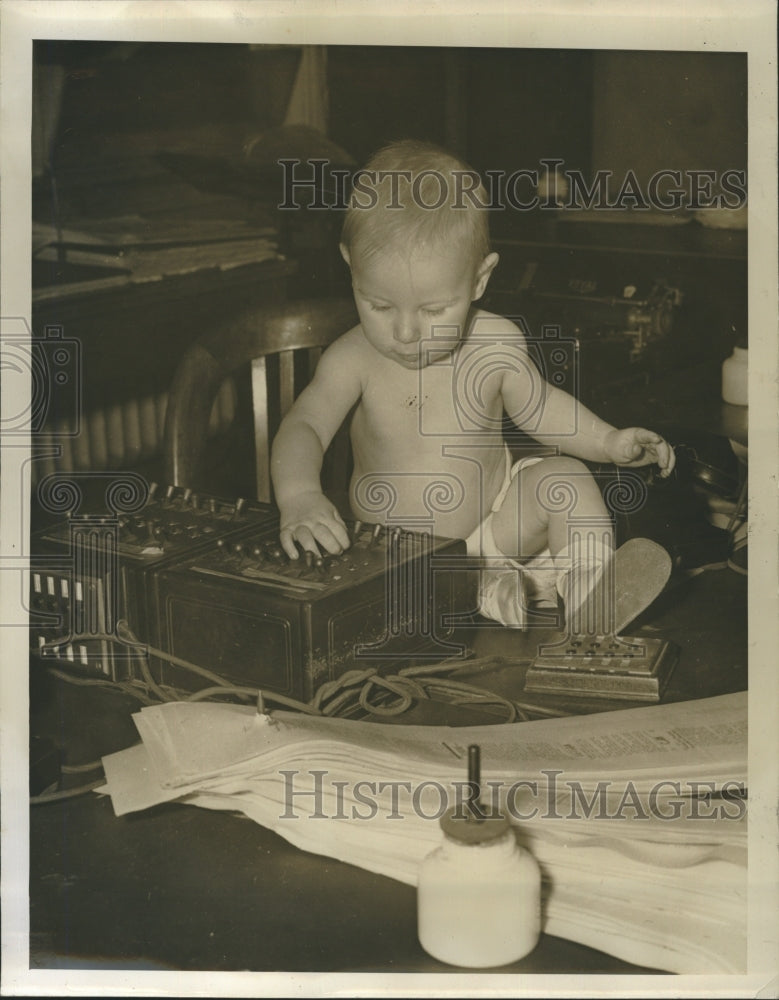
[(313, 538), (646, 439), (652, 448), (333, 537), (288, 536), (656, 449), (666, 458)]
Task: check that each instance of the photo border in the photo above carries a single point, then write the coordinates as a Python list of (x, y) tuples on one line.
[(706, 25)]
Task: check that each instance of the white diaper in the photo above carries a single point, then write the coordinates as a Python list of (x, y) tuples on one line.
[(530, 582), (508, 587)]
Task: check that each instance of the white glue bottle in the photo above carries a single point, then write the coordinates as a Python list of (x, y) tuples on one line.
[(479, 893)]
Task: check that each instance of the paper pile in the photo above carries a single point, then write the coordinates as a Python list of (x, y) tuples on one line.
[(637, 817)]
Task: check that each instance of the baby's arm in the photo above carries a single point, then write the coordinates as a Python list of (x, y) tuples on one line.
[(563, 421), (307, 516)]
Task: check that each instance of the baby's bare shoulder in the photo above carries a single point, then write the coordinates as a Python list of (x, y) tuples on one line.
[(347, 354), (349, 344), (487, 326)]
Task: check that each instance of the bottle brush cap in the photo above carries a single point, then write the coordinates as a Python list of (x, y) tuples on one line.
[(465, 826), (470, 822)]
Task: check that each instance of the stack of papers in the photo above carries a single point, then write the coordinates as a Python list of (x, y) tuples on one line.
[(637, 817)]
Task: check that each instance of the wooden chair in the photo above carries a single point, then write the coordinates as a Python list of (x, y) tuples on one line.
[(283, 345)]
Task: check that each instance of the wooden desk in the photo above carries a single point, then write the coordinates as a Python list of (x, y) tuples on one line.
[(185, 888)]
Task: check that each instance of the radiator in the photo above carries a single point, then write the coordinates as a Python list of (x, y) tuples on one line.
[(120, 436)]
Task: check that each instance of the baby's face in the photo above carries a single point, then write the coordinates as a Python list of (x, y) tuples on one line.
[(414, 306)]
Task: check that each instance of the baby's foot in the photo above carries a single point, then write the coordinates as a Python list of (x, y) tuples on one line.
[(588, 607), (502, 596)]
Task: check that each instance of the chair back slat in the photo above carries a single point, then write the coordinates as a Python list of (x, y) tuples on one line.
[(268, 338), (314, 354), (261, 427), (286, 381)]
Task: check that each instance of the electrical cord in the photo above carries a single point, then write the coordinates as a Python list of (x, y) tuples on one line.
[(133, 688), (370, 690), (127, 635), (360, 689), (66, 793), (93, 765), (742, 543), (356, 688), (365, 691)]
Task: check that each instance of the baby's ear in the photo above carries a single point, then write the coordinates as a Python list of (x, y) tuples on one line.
[(345, 253), (483, 273)]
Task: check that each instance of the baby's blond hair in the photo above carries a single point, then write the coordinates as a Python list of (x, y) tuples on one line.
[(413, 194)]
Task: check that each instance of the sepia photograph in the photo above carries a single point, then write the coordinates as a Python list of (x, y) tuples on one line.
[(378, 395)]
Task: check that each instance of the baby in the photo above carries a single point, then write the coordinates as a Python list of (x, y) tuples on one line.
[(431, 379)]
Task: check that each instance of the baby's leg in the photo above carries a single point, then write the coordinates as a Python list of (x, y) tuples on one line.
[(555, 504)]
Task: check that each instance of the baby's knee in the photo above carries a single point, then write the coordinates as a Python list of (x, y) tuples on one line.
[(561, 483), (563, 466)]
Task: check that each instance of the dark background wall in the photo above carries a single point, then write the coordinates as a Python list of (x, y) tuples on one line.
[(683, 110), (194, 131), (501, 108)]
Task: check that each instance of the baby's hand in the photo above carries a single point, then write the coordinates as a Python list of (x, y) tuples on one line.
[(311, 520), (636, 446)]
